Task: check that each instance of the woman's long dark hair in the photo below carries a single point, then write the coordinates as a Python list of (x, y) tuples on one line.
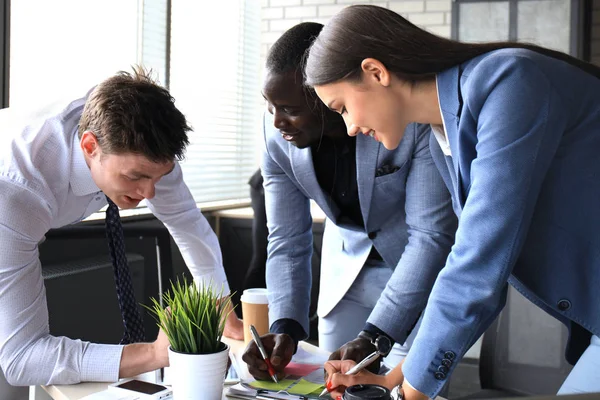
[(411, 53)]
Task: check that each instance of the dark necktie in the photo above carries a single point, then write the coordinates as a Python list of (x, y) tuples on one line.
[(132, 320)]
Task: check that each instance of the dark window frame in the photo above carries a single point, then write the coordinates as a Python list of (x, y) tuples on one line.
[(580, 24), (5, 54)]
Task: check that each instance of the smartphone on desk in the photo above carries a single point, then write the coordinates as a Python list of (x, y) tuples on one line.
[(141, 390)]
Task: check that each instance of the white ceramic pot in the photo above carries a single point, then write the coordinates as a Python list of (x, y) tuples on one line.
[(198, 376)]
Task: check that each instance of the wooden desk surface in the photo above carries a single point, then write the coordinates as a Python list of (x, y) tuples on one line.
[(76, 392)]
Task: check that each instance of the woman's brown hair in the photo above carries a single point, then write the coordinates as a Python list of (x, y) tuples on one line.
[(411, 53)]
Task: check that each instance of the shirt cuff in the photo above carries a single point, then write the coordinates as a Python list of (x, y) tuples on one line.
[(290, 327), (376, 331), (101, 363)]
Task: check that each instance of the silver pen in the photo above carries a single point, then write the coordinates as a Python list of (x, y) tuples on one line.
[(263, 353), (368, 360)]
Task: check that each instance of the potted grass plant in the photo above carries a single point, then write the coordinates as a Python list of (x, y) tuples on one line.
[(193, 318)]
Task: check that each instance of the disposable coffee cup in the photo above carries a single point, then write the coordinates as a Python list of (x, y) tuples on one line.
[(255, 311), (367, 392)]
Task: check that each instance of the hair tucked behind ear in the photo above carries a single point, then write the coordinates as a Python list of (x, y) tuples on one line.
[(411, 53)]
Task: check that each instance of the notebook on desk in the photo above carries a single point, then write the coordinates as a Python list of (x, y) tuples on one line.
[(304, 379), (242, 391)]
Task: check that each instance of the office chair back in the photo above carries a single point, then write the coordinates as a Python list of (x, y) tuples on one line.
[(522, 353)]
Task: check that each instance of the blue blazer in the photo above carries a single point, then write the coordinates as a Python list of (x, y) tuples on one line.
[(524, 133), (407, 214)]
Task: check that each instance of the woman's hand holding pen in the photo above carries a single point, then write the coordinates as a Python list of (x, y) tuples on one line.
[(356, 350), (337, 381), (281, 349)]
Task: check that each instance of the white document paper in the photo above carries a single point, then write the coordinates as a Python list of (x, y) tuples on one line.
[(316, 356), (108, 395)]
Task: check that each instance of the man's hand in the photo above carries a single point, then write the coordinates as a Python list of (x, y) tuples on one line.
[(356, 350), (138, 358), (338, 382), (160, 348), (234, 328), (281, 348)]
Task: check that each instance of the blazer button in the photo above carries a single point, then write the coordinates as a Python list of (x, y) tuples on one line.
[(564, 305), (442, 369), (440, 376), (372, 235), (446, 362), (450, 355)]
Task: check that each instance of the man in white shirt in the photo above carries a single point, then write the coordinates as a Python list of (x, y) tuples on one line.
[(57, 165)]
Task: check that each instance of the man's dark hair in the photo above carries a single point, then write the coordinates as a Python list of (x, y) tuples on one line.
[(131, 113), (288, 52)]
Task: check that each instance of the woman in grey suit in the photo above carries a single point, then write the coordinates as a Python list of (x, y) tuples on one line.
[(516, 137)]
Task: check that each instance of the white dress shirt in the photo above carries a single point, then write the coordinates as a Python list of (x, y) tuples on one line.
[(440, 135), (439, 131), (45, 183)]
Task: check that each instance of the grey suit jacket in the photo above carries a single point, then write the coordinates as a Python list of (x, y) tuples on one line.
[(524, 132), (408, 218)]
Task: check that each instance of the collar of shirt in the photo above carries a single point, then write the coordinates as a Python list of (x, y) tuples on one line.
[(440, 135), (439, 131), (81, 180)]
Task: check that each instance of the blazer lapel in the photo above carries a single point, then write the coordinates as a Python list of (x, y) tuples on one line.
[(304, 171), (448, 86), (367, 151)]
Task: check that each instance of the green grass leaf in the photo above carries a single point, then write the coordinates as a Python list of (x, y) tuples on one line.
[(193, 318)]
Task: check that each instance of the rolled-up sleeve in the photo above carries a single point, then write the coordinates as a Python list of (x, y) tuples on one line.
[(174, 205), (29, 355)]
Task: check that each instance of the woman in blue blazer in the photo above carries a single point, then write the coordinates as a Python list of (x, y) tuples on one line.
[(517, 138)]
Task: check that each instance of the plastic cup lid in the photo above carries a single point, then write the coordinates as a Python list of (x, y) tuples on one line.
[(367, 392), (255, 296)]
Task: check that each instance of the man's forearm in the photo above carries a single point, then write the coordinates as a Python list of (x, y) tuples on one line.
[(138, 358)]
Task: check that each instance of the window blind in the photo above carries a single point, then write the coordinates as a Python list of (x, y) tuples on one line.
[(153, 38), (214, 77), (212, 70)]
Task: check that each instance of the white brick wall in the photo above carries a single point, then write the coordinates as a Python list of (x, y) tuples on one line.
[(301, 12), (279, 15), (595, 50), (433, 15)]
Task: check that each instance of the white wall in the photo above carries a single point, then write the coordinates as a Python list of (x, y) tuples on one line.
[(280, 15), (433, 15)]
